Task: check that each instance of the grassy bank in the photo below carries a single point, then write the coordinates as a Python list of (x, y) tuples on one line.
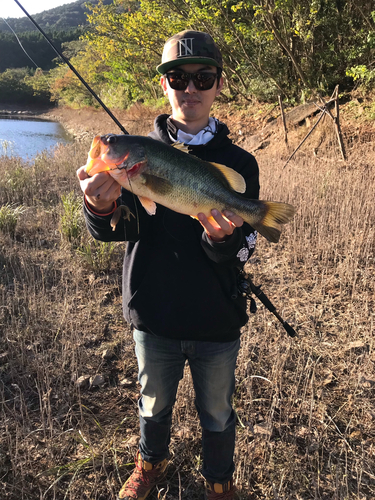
[(306, 406)]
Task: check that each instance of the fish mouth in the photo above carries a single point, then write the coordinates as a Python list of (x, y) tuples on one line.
[(99, 157), (103, 157), (95, 163), (118, 163), (106, 156)]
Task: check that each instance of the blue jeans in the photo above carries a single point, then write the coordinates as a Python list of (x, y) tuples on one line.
[(161, 364)]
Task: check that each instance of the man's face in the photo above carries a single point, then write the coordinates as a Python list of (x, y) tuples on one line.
[(191, 105)]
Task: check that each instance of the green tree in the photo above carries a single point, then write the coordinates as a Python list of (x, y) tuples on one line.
[(130, 41), (15, 87), (66, 88), (270, 47)]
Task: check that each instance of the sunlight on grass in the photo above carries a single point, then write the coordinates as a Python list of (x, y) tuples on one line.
[(9, 217), (6, 148)]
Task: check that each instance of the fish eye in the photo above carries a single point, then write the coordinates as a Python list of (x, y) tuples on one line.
[(111, 139)]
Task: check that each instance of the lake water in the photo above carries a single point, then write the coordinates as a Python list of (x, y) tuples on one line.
[(27, 137)]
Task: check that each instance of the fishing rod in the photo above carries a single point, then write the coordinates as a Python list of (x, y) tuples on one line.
[(246, 287), (74, 70)]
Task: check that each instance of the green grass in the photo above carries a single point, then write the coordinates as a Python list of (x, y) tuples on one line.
[(97, 255), (9, 217), (72, 224)]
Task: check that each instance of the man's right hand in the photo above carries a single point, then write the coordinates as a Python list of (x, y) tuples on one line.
[(100, 190)]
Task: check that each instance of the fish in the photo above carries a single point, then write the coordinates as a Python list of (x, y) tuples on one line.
[(159, 173)]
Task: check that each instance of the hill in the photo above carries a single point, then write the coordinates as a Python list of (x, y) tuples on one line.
[(66, 16), (35, 45), (62, 24)]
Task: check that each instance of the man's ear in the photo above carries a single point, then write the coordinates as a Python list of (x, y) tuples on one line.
[(220, 86), (163, 83)]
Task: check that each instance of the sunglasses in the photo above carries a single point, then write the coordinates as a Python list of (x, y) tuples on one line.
[(202, 81)]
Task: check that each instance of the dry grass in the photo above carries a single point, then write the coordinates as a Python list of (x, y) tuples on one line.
[(305, 406)]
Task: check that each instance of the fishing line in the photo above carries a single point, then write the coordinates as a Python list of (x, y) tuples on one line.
[(73, 69), (134, 199), (19, 41)]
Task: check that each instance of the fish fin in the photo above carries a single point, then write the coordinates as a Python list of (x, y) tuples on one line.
[(275, 214), (181, 147), (148, 205), (270, 233), (279, 213), (157, 184), (235, 180), (95, 147), (94, 166)]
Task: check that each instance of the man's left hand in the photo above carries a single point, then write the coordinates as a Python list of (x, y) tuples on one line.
[(221, 225)]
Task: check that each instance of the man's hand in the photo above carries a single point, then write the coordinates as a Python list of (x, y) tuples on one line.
[(224, 225), (101, 190)]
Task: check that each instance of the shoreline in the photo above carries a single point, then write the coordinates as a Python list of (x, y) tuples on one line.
[(85, 121), (23, 110), (23, 115), (247, 126)]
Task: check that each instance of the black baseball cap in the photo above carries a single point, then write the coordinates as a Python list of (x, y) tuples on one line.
[(190, 47)]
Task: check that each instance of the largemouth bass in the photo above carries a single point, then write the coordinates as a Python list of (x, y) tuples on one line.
[(159, 173)]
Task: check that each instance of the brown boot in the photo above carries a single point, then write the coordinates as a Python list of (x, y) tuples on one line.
[(217, 491), (143, 479)]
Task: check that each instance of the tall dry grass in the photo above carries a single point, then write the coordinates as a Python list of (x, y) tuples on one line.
[(305, 405)]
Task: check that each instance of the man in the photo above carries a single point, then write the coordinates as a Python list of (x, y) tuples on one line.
[(180, 276)]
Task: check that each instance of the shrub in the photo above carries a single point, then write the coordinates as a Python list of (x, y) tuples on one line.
[(71, 223), (97, 254), (9, 215)]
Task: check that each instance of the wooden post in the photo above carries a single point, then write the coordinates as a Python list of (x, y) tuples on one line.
[(335, 119), (283, 118), (337, 124)]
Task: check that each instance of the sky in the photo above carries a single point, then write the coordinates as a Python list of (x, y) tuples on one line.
[(9, 8)]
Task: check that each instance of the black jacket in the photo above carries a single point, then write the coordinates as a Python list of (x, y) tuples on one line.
[(177, 283)]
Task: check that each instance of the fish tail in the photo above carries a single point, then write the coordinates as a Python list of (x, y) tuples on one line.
[(272, 216)]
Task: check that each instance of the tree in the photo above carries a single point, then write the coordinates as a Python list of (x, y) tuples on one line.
[(269, 47)]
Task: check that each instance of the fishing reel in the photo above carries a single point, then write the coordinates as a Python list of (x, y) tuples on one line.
[(246, 288)]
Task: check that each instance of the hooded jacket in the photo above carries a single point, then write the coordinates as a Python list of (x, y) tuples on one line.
[(177, 283)]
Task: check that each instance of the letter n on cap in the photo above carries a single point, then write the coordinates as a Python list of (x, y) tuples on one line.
[(185, 47)]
